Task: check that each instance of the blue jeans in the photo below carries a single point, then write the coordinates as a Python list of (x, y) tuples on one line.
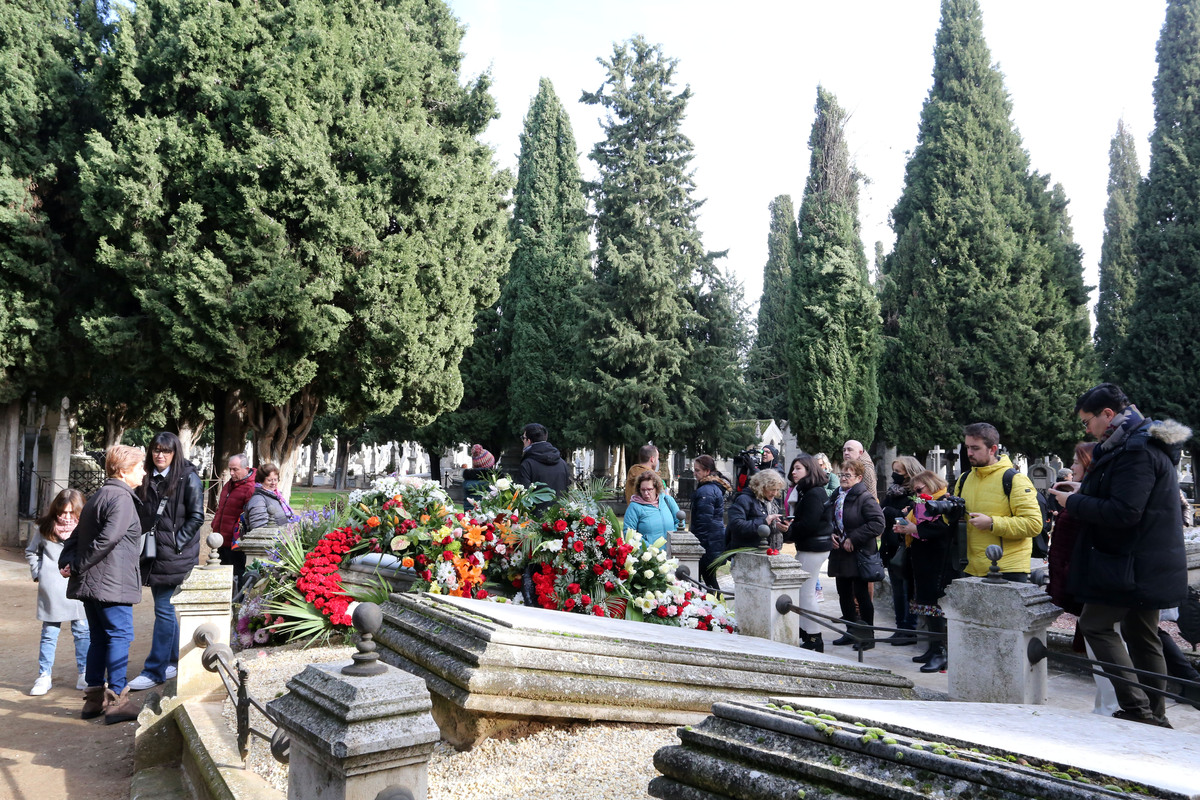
[(164, 643), (50, 631), (112, 633)]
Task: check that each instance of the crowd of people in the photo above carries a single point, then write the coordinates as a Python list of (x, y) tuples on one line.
[(141, 528), (1116, 558)]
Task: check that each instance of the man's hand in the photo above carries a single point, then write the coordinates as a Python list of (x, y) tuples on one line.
[(65, 572), (981, 521)]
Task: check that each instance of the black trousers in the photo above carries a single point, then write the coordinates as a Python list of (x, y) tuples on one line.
[(855, 590)]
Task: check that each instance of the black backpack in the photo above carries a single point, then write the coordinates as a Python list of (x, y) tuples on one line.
[(1189, 617), (1041, 542)]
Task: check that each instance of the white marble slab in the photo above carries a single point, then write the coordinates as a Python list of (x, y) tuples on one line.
[(1157, 757), (543, 620)]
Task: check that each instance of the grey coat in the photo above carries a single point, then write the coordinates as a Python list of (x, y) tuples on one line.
[(264, 509), (107, 545), (53, 604)]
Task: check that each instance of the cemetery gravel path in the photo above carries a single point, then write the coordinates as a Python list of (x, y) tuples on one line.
[(46, 751)]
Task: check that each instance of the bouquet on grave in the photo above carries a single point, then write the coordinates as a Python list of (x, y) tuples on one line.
[(584, 564)]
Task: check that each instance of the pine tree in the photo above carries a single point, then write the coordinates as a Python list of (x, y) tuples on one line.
[(43, 109), (550, 263), (1159, 361), (297, 205), (636, 384), (1118, 258), (767, 372), (977, 292), (833, 344)]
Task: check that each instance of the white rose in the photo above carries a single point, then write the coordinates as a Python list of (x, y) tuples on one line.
[(664, 569), (504, 484), (662, 556), (646, 556), (648, 574)]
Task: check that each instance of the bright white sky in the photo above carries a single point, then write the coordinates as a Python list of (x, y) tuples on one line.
[(1072, 69)]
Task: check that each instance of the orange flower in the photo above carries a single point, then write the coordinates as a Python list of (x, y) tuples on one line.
[(406, 562), (474, 535), (373, 522), (424, 518)]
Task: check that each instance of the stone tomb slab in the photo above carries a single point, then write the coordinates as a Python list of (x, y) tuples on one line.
[(802, 746), (489, 665)]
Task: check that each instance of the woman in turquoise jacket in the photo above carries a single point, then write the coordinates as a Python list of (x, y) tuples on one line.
[(651, 514)]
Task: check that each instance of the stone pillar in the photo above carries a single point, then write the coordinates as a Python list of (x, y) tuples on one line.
[(1192, 550), (60, 454), (205, 597), (760, 580), (989, 627), (686, 548), (357, 730), (257, 542)]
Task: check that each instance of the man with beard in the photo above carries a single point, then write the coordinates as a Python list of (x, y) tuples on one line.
[(1010, 519)]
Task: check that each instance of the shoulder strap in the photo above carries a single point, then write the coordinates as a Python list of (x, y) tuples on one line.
[(1008, 480), (962, 479)]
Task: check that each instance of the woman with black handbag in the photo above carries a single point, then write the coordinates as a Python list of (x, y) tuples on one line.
[(172, 511), (854, 561), (931, 560)]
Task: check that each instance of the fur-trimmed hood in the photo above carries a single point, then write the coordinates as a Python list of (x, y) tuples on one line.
[(1170, 436)]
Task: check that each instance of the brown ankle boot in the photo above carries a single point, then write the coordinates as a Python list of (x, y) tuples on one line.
[(119, 708), (93, 702)]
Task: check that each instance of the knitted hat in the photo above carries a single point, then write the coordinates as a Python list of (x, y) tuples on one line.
[(481, 458)]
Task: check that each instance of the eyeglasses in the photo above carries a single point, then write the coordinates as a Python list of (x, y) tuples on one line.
[(1085, 422), (160, 451), (847, 475)]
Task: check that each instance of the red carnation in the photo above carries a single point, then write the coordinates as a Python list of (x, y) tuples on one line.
[(568, 604), (573, 588), (589, 520), (586, 600), (598, 569), (481, 595), (598, 611), (609, 586), (560, 525), (600, 540), (608, 562), (578, 546)]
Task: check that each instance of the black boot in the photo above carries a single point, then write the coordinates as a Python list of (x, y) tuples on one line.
[(847, 637), (937, 662), (928, 654), (812, 641)]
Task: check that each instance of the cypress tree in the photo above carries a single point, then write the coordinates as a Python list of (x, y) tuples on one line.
[(977, 292), (635, 315), (1118, 259), (1159, 361), (833, 341), (294, 197), (766, 375), (550, 263)]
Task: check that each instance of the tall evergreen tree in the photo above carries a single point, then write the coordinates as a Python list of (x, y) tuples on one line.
[(1118, 258), (978, 292), (833, 340), (636, 382), (294, 198), (767, 372), (1159, 361), (550, 263)]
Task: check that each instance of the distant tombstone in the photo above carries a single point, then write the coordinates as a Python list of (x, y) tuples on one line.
[(934, 460), (1043, 475)]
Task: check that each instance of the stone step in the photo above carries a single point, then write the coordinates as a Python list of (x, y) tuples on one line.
[(158, 783)]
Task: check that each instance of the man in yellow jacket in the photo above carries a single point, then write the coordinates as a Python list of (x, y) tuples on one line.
[(1010, 521)]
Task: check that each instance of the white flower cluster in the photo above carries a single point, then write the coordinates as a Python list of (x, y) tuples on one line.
[(420, 490), (673, 598), (701, 607)]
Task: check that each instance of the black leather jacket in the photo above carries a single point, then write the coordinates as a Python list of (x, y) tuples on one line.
[(177, 530)]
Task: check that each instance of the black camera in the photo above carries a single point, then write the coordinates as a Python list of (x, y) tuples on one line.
[(949, 505), (747, 460)]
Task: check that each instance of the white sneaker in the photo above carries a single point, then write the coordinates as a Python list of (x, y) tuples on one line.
[(82, 683), (171, 672), (41, 685), (141, 683)]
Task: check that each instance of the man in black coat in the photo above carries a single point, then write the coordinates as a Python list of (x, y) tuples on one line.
[(542, 463), (1129, 559)]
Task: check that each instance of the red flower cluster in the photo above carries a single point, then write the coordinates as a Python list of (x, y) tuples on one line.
[(319, 580)]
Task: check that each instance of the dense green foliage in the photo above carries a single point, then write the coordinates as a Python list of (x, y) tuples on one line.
[(292, 204), (766, 374), (1159, 360), (984, 305), (833, 338), (549, 226), (641, 362), (46, 50), (1118, 258)]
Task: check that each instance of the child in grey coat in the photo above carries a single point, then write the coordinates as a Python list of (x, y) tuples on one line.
[(54, 608)]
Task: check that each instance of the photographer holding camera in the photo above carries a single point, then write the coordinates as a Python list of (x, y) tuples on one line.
[(1010, 518)]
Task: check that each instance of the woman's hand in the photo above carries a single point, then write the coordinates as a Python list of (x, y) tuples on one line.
[(847, 545), (65, 572)]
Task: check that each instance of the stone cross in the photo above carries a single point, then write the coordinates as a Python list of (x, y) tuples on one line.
[(936, 454)]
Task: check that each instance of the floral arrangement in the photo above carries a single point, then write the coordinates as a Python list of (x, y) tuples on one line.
[(255, 625), (586, 561)]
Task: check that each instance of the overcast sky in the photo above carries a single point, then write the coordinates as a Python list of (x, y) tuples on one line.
[(1071, 67)]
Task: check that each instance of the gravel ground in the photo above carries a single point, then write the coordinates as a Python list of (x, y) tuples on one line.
[(530, 761)]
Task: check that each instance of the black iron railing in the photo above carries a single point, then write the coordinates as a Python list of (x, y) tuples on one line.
[(1037, 651), (218, 658), (861, 632)]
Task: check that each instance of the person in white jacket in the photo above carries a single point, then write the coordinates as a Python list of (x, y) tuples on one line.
[(54, 608)]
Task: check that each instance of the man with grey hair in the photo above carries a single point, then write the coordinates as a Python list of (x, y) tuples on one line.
[(853, 451), (234, 494)]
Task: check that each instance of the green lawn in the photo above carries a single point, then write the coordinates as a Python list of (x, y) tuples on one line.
[(317, 497)]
